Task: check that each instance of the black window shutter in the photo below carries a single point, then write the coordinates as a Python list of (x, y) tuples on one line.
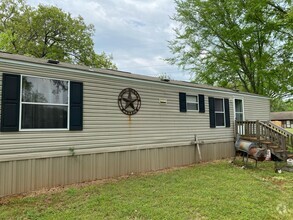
[(10, 102), (227, 113), (182, 102), (201, 103), (212, 112), (76, 106)]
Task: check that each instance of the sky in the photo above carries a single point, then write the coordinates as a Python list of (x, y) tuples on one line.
[(135, 32)]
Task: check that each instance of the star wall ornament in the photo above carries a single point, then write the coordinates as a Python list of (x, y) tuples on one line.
[(129, 101)]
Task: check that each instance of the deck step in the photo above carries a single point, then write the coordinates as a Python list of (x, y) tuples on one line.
[(273, 147), (280, 151), (254, 139), (249, 138), (265, 142)]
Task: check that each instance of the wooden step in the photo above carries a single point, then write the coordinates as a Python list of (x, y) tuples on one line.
[(266, 142), (273, 147), (249, 138), (279, 151), (254, 139)]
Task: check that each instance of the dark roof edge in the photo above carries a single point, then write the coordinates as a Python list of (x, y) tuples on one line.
[(121, 74), (287, 115)]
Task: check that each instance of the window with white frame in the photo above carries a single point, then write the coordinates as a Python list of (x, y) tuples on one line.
[(239, 111), (192, 103), (219, 112), (44, 103)]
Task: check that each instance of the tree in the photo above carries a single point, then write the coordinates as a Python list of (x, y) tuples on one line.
[(164, 77), (281, 105), (48, 32), (238, 44)]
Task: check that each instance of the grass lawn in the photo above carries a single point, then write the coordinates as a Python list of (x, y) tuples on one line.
[(217, 190), (290, 130)]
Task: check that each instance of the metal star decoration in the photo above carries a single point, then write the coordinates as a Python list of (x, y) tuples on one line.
[(129, 101)]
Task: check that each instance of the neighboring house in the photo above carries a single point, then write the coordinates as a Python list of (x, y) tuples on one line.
[(64, 123), (282, 119)]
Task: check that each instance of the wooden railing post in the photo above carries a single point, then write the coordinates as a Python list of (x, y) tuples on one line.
[(246, 127), (257, 127), (283, 142), (289, 140)]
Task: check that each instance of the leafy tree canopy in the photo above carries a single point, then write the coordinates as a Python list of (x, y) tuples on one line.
[(280, 105), (48, 32), (238, 44)]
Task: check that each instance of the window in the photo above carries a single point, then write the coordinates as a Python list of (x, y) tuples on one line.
[(238, 108), (44, 103), (192, 103), (219, 112), (288, 124), (35, 103)]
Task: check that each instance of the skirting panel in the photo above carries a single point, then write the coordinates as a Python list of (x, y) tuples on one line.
[(28, 175)]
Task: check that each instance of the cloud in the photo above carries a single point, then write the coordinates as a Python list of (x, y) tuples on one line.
[(135, 32)]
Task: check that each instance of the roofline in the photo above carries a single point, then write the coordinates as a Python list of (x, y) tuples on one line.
[(79, 69), (281, 116), (282, 112)]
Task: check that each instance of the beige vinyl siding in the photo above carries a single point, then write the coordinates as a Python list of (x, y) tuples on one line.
[(257, 109), (106, 128)]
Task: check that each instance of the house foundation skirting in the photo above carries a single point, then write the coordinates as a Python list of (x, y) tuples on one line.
[(20, 176)]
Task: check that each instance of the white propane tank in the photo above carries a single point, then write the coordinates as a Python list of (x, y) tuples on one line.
[(290, 162)]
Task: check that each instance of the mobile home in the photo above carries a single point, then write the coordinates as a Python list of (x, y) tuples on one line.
[(63, 123)]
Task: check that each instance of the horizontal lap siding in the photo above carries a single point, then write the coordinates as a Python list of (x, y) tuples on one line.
[(257, 109), (105, 126)]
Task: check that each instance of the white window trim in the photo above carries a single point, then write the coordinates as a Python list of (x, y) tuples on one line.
[(36, 103), (234, 106), (191, 110), (222, 126)]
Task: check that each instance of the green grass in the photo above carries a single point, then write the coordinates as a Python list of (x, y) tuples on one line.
[(218, 190)]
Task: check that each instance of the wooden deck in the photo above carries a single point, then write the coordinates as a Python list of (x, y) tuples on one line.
[(267, 135)]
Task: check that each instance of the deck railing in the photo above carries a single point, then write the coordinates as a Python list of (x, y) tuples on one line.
[(265, 132), (289, 135)]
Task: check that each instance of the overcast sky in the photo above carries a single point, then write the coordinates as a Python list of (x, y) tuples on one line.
[(135, 32)]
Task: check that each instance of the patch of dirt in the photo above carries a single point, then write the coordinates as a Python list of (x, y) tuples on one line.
[(279, 181)]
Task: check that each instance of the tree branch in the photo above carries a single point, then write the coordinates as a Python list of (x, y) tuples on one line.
[(279, 8)]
